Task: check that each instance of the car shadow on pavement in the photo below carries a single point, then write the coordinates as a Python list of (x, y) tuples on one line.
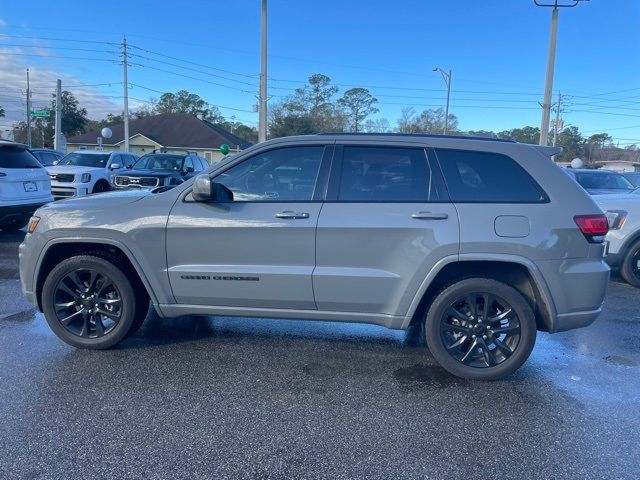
[(158, 331)]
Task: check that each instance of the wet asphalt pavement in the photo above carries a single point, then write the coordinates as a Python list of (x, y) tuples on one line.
[(216, 398)]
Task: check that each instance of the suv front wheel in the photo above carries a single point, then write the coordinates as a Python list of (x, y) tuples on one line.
[(89, 302), (480, 329)]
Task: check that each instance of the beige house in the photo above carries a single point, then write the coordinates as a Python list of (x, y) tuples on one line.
[(165, 132)]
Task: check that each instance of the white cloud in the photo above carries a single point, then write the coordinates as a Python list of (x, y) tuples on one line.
[(43, 83)]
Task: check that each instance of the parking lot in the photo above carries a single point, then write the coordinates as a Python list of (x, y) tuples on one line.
[(256, 398)]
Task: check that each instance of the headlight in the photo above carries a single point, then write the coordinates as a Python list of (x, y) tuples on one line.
[(616, 218), (86, 178)]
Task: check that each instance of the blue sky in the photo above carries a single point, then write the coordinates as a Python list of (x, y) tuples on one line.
[(497, 50)]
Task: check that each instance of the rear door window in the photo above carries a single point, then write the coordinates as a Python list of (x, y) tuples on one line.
[(485, 177), (17, 157), (386, 174)]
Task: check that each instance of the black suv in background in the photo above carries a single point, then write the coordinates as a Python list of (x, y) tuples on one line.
[(160, 169)]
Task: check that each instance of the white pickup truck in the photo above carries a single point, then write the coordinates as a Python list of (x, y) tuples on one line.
[(87, 171)]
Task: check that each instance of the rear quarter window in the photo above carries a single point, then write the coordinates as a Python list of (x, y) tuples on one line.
[(485, 177), (17, 157)]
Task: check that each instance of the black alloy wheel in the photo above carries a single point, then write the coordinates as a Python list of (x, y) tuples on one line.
[(92, 301), (480, 329), (87, 303)]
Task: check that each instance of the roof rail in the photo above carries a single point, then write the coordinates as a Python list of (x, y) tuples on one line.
[(429, 135)]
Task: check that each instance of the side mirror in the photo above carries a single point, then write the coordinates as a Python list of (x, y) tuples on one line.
[(115, 166), (204, 190), (188, 170)]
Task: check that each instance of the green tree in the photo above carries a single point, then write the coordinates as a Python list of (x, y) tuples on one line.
[(429, 121), (358, 104), (522, 135), (572, 143), (187, 102), (312, 109)]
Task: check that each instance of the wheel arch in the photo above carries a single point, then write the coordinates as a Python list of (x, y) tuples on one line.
[(516, 271), (61, 249)]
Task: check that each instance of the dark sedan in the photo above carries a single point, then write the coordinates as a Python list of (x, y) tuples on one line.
[(600, 182), (159, 170)]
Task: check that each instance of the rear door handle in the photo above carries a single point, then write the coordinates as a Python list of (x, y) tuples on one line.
[(429, 216), (292, 215)]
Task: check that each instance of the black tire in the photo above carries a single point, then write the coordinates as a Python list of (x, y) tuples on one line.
[(124, 302), (465, 346), (630, 269), (100, 187)]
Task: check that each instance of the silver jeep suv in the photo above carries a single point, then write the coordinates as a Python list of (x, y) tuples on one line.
[(477, 242)]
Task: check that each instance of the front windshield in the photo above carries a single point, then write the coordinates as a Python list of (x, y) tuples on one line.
[(160, 162), (604, 181), (86, 160)]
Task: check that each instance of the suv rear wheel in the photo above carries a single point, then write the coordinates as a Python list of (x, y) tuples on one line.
[(480, 329), (89, 302), (630, 268)]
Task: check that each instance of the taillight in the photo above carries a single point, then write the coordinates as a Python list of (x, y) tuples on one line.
[(593, 227)]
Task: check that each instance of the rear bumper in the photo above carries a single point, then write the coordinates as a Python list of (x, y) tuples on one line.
[(569, 321), (16, 213), (578, 288)]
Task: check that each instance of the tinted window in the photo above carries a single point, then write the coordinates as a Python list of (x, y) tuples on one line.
[(198, 163), (188, 163), (382, 174), (633, 178), (160, 161), (17, 157), (601, 180), (284, 174), (86, 159), (486, 177)]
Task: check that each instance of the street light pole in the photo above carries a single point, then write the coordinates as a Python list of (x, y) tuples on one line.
[(28, 111), (125, 82), (446, 75), (548, 86), (262, 100)]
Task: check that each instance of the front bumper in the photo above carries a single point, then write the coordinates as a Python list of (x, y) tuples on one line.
[(10, 214), (68, 190)]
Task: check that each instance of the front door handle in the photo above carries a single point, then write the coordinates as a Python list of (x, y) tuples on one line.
[(429, 216), (291, 214)]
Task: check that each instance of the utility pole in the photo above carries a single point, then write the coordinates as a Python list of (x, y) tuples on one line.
[(446, 75), (548, 87), (28, 111), (126, 93), (58, 119), (262, 100), (556, 124)]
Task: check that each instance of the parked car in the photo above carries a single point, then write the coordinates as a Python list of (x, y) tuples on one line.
[(633, 177), (600, 182), (160, 169), (24, 185), (622, 243), (46, 156), (87, 171), (478, 242)]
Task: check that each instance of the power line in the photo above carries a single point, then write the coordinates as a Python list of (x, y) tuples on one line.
[(75, 40), (3, 45), (190, 77), (194, 63), (61, 57), (192, 69)]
